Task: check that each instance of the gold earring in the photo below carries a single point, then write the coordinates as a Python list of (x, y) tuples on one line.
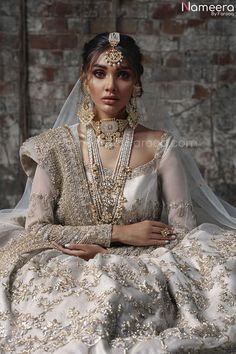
[(85, 112), (133, 115)]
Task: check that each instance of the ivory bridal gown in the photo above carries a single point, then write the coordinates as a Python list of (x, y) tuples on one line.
[(174, 299)]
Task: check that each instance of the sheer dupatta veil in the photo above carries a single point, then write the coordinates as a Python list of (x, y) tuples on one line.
[(208, 207)]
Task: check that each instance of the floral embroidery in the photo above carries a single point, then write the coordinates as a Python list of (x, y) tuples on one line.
[(136, 213), (131, 294)]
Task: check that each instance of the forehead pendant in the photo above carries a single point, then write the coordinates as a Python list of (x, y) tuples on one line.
[(114, 56)]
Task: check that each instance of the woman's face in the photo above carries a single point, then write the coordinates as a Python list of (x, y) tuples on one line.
[(110, 87)]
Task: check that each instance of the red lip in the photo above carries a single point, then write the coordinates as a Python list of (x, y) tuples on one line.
[(110, 101)]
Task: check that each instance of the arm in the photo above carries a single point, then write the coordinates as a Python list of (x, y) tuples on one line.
[(175, 190), (40, 219), (82, 241)]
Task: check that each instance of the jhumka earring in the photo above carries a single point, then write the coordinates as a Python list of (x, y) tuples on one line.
[(132, 109), (85, 112), (114, 56)]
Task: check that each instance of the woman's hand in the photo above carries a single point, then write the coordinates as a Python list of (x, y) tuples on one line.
[(84, 251), (144, 233)]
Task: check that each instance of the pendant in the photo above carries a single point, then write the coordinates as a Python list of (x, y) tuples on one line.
[(109, 127), (109, 132)]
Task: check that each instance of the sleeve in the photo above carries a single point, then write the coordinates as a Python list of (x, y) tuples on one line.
[(40, 219), (176, 194)]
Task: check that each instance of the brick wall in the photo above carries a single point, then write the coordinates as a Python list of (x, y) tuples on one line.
[(10, 186), (190, 73)]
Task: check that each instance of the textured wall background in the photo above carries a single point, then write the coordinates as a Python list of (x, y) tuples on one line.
[(190, 72)]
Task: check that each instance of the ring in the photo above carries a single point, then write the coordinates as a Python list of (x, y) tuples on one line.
[(165, 232)]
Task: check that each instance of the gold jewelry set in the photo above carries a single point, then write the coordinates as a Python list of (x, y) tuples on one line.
[(109, 132), (106, 189)]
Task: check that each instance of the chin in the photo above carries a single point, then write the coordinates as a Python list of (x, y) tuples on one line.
[(111, 111)]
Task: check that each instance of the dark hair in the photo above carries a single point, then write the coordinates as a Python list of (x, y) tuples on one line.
[(127, 46)]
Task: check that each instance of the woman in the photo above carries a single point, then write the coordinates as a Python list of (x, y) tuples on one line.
[(95, 269)]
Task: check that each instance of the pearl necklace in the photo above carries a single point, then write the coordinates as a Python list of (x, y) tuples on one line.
[(107, 191)]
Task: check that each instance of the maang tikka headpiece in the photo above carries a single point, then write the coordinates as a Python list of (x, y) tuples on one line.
[(114, 56)]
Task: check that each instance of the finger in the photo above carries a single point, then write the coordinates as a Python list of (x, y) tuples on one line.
[(76, 247), (158, 230), (158, 237), (58, 246), (158, 242), (83, 247), (160, 224), (63, 249), (76, 253), (54, 243), (90, 248)]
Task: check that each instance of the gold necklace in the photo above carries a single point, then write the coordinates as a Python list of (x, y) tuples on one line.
[(109, 132), (107, 190)]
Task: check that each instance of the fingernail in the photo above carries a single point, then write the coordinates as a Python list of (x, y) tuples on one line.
[(166, 242), (67, 245)]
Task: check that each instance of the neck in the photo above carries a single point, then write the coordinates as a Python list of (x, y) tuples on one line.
[(120, 115)]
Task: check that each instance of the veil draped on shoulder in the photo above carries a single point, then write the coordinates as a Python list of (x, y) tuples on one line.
[(208, 207)]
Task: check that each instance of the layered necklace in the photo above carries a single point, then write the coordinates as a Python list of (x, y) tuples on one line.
[(107, 189)]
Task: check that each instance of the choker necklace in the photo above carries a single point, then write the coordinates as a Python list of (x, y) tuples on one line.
[(109, 132)]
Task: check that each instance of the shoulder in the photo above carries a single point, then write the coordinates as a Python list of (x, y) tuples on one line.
[(41, 149), (151, 134), (48, 134), (151, 142), (44, 141)]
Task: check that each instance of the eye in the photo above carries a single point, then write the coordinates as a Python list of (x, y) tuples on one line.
[(124, 74), (99, 74)]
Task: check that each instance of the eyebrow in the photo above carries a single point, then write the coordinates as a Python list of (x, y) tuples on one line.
[(105, 67)]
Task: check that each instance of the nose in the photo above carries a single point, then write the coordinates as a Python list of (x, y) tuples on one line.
[(110, 84)]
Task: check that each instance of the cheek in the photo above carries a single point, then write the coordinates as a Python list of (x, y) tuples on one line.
[(94, 88), (127, 91)]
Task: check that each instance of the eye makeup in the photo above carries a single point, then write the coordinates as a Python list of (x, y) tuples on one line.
[(99, 71)]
